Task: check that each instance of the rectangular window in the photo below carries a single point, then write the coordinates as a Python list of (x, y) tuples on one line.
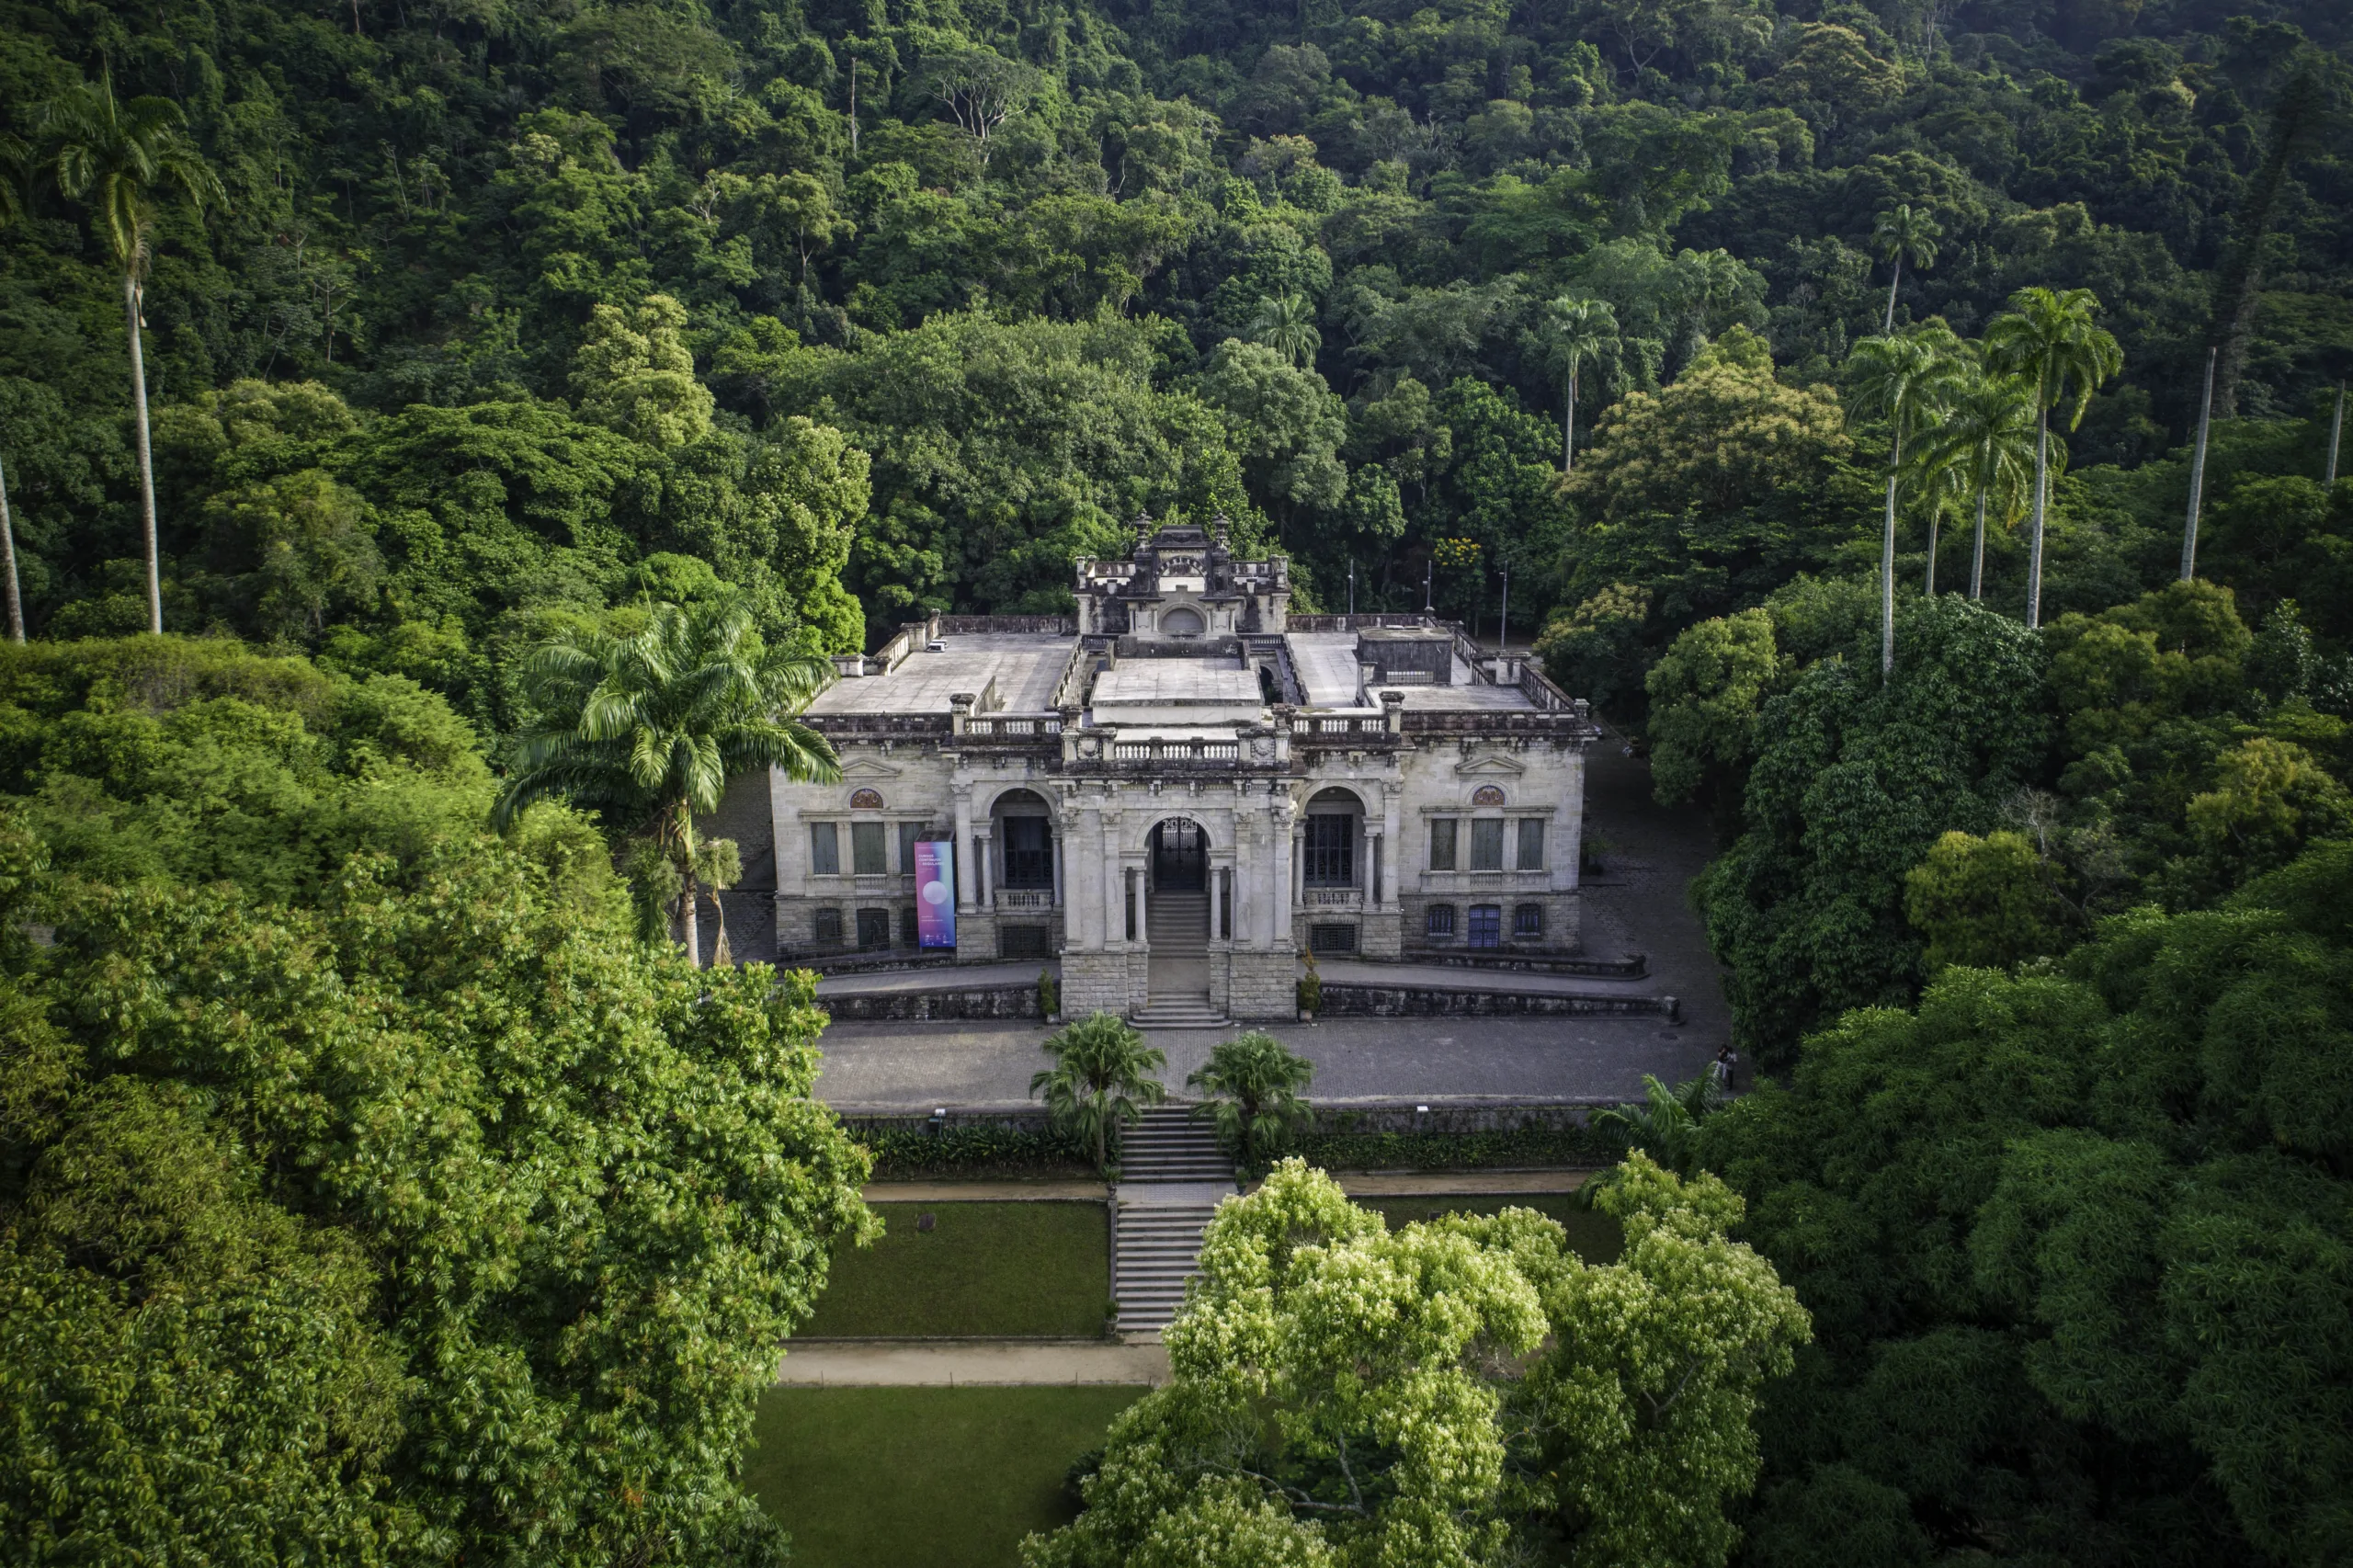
[(1531, 844), (829, 927), (1441, 843), (1527, 922), (1028, 853), (873, 927), (1486, 925), (907, 931), (866, 849), (1440, 922), (825, 857), (1487, 844), (1331, 851), (909, 833)]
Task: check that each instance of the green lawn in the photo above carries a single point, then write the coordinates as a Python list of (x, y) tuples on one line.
[(922, 1478), (1594, 1236), (990, 1269)]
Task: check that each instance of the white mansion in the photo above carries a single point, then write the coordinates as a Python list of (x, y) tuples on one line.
[(1180, 788)]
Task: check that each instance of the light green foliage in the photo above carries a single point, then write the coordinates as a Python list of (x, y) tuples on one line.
[(1665, 1124), (1988, 903), (1463, 1390), (2053, 1228), (439, 1219), (1704, 694), (1254, 1084), (633, 375), (1101, 1079)]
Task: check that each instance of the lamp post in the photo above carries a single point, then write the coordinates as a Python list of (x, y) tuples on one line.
[(1352, 587), (1503, 628)]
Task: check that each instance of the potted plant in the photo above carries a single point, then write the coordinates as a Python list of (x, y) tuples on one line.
[(1050, 997), (1310, 991)]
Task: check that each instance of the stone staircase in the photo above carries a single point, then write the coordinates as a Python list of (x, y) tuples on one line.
[(1171, 1176), (1178, 988)]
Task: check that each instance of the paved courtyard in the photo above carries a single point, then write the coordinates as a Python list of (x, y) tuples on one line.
[(1638, 902)]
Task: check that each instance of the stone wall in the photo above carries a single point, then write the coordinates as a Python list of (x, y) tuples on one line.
[(1263, 985), (1352, 1001), (910, 1006)]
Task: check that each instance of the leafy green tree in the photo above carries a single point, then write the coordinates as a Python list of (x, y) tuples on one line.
[(1287, 325), (1102, 1078), (2053, 1227), (1665, 1124), (1705, 692), (1984, 438), (633, 374), (2050, 341), (1907, 382), (1988, 902), (452, 1222), (1283, 422), (1576, 332), (651, 726), (123, 157), (1462, 1391), (1253, 1083), (1900, 234)]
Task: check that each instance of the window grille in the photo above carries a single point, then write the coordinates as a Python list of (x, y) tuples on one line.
[(828, 930), (1331, 851), (1486, 925), (825, 857), (1440, 920), (1527, 921), (1332, 938), (873, 928)]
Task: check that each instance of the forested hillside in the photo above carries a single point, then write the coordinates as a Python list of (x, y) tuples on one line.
[(500, 316)]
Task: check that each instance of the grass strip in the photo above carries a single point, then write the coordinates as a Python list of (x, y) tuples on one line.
[(995, 1271), (923, 1477)]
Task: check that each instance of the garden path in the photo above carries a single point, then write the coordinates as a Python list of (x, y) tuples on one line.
[(969, 1363)]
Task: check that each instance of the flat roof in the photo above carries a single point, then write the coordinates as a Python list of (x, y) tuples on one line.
[(1327, 664), (1156, 681), (1026, 666)]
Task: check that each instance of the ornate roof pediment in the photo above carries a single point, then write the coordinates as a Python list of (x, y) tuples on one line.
[(1489, 764)]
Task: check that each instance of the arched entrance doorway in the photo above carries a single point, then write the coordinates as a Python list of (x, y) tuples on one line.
[(1181, 857), (1177, 910)]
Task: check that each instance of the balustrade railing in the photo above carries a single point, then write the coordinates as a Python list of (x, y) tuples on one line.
[(1025, 898), (1176, 751)]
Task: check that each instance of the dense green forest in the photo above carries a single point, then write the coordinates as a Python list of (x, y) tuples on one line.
[(371, 1189)]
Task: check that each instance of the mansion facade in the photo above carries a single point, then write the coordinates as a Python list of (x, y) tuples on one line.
[(1180, 789)]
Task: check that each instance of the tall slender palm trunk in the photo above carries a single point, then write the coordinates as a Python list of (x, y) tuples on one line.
[(131, 295), (9, 556), (2198, 476), (1977, 555), (1936, 517), (1887, 571), (1892, 279), (2041, 496), (1569, 429)]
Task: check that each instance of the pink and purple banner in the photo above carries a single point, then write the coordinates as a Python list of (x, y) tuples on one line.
[(935, 892)]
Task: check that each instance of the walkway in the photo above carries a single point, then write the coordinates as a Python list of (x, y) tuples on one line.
[(972, 1363)]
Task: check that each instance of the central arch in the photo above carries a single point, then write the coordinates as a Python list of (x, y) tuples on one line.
[(1181, 856)]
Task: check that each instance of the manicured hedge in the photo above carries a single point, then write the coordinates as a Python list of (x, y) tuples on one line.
[(901, 1153), (1534, 1146)]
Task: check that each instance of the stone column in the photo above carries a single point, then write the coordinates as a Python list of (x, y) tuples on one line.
[(981, 839), (1115, 883), (966, 884), (1375, 870), (1143, 901), (1393, 830), (1054, 856)]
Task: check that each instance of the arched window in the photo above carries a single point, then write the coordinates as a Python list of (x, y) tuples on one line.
[(1183, 621)]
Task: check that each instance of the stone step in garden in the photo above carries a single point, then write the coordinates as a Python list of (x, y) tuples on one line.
[(1178, 1013), (1154, 1249), (1170, 1144)]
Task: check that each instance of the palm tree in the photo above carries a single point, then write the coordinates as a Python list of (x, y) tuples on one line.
[(1666, 1123), (1255, 1083), (653, 726), (1986, 438), (1904, 230), (1905, 381), (1287, 325), (2050, 341), (1575, 330), (12, 154), (122, 155), (1101, 1077)]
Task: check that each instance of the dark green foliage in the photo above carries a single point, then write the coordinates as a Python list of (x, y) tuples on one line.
[(2076, 1247), (1860, 778), (1339, 1147), (901, 1153)]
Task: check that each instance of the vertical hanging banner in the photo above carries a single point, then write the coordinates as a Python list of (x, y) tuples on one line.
[(935, 892)]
